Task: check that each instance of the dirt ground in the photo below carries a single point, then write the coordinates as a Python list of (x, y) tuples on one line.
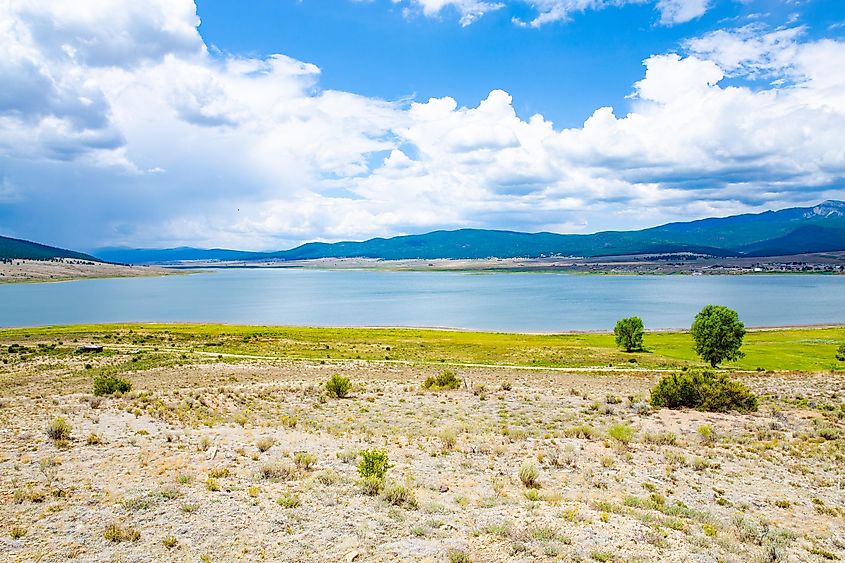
[(206, 462)]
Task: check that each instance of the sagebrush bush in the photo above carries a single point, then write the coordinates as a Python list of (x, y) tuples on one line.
[(446, 380), (703, 390), (59, 430), (374, 463), (110, 384), (338, 386)]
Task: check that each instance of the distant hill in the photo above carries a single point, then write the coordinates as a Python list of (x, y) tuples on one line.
[(161, 255), (789, 231), (12, 248)]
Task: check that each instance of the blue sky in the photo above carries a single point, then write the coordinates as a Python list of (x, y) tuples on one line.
[(264, 124), (563, 70)]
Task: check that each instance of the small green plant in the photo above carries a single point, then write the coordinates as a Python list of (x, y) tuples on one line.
[(304, 460), (116, 534), (707, 435), (458, 556), (622, 433), (59, 430), (703, 390), (840, 353), (17, 532), (338, 386), (288, 500), (374, 463), (169, 542), (629, 334), (264, 444), (446, 380), (449, 438), (399, 495), (529, 475), (110, 384), (93, 440)]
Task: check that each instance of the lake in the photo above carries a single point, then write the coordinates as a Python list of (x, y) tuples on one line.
[(529, 302)]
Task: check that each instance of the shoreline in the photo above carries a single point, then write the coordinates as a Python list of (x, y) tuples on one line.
[(444, 329)]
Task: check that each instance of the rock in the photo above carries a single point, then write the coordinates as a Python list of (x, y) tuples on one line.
[(352, 556)]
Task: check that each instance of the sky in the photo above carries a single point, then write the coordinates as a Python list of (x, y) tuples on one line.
[(260, 125)]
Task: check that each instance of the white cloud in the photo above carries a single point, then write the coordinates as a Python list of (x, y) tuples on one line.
[(547, 11), (164, 143), (681, 11)]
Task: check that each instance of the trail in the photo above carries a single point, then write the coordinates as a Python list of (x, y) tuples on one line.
[(582, 369)]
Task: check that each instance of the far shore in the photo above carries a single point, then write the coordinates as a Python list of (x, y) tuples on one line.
[(66, 269), (645, 264)]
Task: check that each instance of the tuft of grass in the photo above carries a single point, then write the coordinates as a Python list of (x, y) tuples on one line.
[(116, 534), (59, 430), (304, 460), (170, 542), (264, 444), (529, 475), (93, 440), (288, 500), (622, 433), (397, 494), (277, 472), (17, 532)]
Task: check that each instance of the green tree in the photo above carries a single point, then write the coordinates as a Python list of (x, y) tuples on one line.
[(629, 333), (840, 353), (718, 334)]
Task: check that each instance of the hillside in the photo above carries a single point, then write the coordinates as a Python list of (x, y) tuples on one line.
[(18, 249), (789, 231)]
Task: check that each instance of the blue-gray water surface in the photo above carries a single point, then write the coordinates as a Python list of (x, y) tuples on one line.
[(528, 302)]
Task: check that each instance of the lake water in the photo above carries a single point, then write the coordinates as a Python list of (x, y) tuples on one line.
[(505, 301)]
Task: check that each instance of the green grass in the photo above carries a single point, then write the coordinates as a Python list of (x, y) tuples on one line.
[(800, 349)]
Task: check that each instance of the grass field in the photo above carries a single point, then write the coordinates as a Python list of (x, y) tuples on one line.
[(794, 349)]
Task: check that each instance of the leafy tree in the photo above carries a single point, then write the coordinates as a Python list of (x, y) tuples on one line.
[(840, 353), (718, 334), (629, 333)]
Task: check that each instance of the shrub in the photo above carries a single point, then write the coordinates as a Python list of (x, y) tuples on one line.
[(338, 386), (304, 460), (59, 430), (264, 444), (277, 472), (629, 334), (372, 485), (840, 353), (703, 390), (718, 334), (399, 495), (622, 433), (374, 463), (110, 384), (529, 474), (446, 380), (288, 500), (116, 534)]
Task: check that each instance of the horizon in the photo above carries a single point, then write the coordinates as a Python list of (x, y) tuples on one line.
[(274, 124)]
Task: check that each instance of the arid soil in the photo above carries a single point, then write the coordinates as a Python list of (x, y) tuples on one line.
[(199, 463), (71, 269)]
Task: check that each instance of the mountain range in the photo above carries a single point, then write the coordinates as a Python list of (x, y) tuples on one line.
[(795, 230)]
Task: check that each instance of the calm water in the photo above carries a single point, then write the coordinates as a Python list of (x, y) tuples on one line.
[(517, 302)]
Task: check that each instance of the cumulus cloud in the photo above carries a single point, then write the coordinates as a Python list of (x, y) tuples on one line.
[(671, 12), (160, 142)]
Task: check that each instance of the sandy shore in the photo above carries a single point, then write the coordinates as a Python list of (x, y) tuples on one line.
[(18, 271)]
